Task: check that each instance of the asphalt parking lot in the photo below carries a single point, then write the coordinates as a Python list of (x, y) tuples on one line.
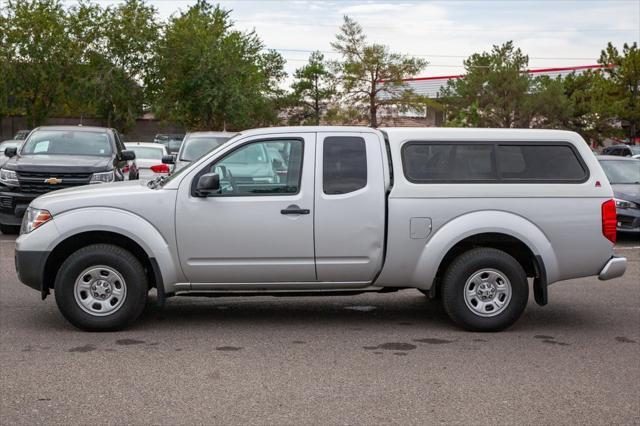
[(389, 358)]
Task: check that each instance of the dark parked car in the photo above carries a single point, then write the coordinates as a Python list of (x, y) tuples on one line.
[(7, 144), (57, 157), (622, 150), (171, 141), (624, 176)]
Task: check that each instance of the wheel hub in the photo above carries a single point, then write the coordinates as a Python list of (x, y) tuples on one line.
[(100, 290), (487, 292)]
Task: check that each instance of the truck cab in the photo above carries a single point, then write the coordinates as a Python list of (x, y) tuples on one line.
[(465, 215)]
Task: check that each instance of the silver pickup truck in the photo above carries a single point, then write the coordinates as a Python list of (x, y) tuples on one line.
[(465, 215)]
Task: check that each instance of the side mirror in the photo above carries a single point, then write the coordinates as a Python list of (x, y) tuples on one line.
[(168, 159), (11, 151), (127, 155), (208, 184)]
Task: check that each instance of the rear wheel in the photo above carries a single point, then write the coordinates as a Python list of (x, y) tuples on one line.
[(101, 287), (485, 289)]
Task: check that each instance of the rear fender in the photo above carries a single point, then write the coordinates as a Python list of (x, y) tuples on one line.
[(476, 223)]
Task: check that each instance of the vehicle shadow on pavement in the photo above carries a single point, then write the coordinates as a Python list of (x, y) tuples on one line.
[(361, 311)]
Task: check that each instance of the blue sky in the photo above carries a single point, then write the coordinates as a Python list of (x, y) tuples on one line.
[(552, 32)]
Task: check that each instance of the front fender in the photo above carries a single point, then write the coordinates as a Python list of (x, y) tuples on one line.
[(128, 224), (482, 222)]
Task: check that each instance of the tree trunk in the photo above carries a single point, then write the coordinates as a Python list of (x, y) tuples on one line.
[(373, 111)]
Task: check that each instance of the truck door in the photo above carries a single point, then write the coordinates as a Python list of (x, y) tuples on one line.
[(349, 207), (259, 229)]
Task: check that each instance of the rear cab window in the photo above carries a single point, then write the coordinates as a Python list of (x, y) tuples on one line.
[(492, 162)]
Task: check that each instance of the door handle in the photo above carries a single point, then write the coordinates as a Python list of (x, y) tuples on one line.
[(294, 209)]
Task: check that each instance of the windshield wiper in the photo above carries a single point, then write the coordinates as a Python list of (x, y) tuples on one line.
[(156, 182)]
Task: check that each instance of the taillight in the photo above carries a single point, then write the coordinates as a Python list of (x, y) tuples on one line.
[(609, 220), (160, 168)]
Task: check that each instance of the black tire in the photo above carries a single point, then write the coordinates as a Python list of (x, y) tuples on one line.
[(467, 265), (113, 257), (9, 229)]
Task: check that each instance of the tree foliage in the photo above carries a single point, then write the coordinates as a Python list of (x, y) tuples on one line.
[(493, 92), (81, 60), (623, 75), (370, 76), (210, 76)]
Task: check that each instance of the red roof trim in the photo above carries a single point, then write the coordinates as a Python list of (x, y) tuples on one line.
[(535, 71)]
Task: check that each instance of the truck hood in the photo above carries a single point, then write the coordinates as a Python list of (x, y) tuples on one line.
[(59, 163), (96, 195), (630, 192)]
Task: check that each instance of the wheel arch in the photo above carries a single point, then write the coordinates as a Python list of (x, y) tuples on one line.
[(497, 229), (75, 242), (79, 228)]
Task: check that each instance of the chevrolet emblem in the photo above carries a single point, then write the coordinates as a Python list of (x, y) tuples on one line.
[(53, 181)]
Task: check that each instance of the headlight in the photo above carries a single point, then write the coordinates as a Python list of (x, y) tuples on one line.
[(103, 177), (8, 177), (33, 219), (624, 204)]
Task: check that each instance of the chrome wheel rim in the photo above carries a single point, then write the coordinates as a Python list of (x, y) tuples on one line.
[(487, 292), (100, 290)]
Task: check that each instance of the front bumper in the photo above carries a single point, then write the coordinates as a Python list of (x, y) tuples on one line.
[(628, 220), (13, 205), (614, 268), (30, 267)]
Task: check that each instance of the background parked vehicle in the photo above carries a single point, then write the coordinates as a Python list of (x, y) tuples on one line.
[(170, 141), (196, 144), (21, 135), (57, 157), (149, 159), (624, 177), (8, 144), (622, 150)]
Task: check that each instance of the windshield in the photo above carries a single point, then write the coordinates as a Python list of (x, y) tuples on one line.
[(635, 150), (67, 142), (622, 172), (146, 152), (196, 147)]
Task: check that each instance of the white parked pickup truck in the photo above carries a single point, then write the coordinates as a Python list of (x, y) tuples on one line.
[(465, 215)]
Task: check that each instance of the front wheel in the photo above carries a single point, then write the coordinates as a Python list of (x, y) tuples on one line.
[(485, 289), (101, 287)]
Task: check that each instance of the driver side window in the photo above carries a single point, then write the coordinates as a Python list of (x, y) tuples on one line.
[(270, 167)]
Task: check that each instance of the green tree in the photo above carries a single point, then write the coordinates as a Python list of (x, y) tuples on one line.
[(313, 89), (493, 92), (589, 111), (623, 73), (370, 76), (122, 62), (210, 76), (41, 55), (546, 105)]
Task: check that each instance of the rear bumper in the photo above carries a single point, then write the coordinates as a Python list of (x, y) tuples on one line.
[(614, 268)]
